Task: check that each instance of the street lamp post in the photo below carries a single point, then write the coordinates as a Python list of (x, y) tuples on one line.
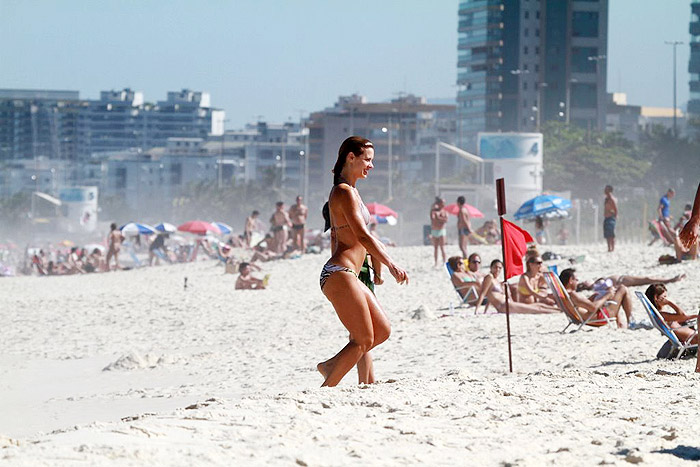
[(540, 86), (518, 72), (674, 44), (390, 183), (597, 59), (568, 99)]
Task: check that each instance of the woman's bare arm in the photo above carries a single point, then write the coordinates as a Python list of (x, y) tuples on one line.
[(689, 234)]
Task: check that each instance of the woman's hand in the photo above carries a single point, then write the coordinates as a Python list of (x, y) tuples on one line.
[(399, 274), (689, 234)]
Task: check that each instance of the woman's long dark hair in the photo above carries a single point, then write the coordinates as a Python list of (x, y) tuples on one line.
[(355, 145), (653, 291)]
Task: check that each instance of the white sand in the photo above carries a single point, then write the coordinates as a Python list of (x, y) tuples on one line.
[(211, 375)]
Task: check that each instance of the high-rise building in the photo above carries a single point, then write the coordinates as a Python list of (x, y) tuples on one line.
[(37, 124), (694, 64), (524, 62)]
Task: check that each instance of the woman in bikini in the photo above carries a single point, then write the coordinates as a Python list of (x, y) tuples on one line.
[(438, 232), (658, 296), (532, 287), (351, 240), (492, 290), (464, 279)]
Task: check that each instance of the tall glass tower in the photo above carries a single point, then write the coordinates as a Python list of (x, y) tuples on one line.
[(694, 64)]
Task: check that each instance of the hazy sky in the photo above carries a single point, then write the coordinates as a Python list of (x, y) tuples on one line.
[(277, 58)]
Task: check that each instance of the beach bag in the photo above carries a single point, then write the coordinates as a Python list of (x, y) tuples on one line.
[(669, 352), (668, 259), (365, 276)]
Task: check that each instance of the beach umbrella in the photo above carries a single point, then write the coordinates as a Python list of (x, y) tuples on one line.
[(198, 227), (225, 228), (473, 212), (390, 220), (166, 227), (381, 210), (134, 228), (548, 206)]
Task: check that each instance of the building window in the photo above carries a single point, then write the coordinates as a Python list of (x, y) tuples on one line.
[(537, 50), (585, 24), (525, 85), (525, 66), (526, 32), (525, 50), (527, 14), (579, 59), (524, 103), (537, 14), (537, 32), (537, 68)]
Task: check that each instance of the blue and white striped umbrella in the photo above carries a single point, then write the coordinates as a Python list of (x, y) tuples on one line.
[(225, 228), (165, 227), (548, 206), (134, 228)]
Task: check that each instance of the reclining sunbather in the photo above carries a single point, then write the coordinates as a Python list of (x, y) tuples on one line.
[(597, 303), (629, 281), (658, 296), (492, 289)]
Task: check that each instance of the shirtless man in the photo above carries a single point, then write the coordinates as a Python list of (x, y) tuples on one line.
[(610, 215), (438, 232), (464, 226), (587, 306), (278, 221), (298, 214), (114, 240), (251, 225)]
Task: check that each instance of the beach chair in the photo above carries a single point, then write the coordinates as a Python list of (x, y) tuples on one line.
[(561, 296), (660, 324), (472, 293)]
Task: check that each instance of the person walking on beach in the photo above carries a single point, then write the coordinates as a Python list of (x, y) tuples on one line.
[(278, 222), (610, 215), (689, 238), (464, 226), (356, 306), (298, 214), (251, 225), (114, 242), (438, 232)]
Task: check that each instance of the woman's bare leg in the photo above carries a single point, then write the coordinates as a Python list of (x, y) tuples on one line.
[(365, 369), (637, 281), (361, 314), (442, 250)]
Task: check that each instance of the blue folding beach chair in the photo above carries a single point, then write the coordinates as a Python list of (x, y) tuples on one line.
[(470, 289), (660, 324)]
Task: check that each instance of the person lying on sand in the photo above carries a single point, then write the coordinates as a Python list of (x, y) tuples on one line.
[(246, 281), (597, 303), (492, 290), (658, 296), (629, 281)]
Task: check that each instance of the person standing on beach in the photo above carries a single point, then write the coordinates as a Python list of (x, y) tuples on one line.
[(298, 214), (464, 226), (251, 225), (689, 238), (278, 222), (114, 242), (664, 212), (356, 306), (610, 215), (438, 232)]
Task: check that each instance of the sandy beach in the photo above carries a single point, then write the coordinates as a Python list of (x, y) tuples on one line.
[(130, 368)]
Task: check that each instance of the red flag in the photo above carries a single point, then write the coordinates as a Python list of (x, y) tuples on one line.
[(515, 242)]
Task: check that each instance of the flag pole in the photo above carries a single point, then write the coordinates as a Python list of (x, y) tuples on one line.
[(501, 197)]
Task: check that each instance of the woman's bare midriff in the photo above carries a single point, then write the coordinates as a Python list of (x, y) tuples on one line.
[(348, 255)]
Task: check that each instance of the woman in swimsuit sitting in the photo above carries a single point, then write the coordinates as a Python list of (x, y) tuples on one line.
[(463, 279), (532, 287), (351, 240), (492, 290), (658, 296)]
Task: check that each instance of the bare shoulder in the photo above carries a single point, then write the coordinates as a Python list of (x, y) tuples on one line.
[(342, 193)]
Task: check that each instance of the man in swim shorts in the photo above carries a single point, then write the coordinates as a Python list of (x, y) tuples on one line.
[(610, 214), (298, 214), (464, 226)]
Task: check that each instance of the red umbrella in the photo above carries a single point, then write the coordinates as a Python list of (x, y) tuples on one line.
[(381, 210), (198, 227), (473, 212)]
